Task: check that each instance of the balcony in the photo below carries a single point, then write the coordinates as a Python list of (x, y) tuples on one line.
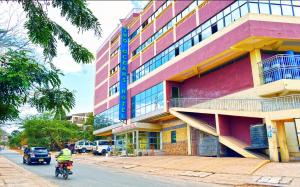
[(240, 104), (280, 67), (280, 75)]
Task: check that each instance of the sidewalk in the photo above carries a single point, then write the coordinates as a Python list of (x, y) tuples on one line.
[(229, 171), (14, 175)]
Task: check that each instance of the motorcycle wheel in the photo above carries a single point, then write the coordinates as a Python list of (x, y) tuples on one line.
[(56, 172), (65, 176)]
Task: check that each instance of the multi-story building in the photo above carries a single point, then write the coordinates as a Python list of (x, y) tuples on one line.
[(202, 77), (79, 119)]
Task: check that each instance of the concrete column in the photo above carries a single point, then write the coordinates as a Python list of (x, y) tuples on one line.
[(133, 138), (188, 132), (272, 140), (284, 151), (161, 140), (137, 141), (255, 57), (217, 124)]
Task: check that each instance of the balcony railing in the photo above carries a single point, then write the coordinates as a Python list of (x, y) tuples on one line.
[(242, 104), (280, 67)]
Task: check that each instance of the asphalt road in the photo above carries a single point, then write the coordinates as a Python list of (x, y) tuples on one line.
[(88, 176)]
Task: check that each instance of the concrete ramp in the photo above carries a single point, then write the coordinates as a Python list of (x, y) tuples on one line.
[(238, 146), (196, 123)]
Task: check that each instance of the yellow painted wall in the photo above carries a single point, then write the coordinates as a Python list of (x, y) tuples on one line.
[(181, 133), (291, 137)]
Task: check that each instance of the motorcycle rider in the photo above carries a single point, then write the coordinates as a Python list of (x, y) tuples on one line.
[(64, 155)]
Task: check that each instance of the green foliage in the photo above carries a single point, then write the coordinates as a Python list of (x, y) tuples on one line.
[(24, 80), (52, 134), (55, 100), (129, 148), (45, 32), (89, 128), (14, 140)]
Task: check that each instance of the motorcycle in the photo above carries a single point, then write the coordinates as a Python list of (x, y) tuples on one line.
[(64, 169)]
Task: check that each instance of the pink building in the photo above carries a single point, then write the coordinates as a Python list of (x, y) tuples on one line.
[(206, 78)]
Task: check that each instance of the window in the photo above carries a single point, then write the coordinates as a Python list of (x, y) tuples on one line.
[(254, 8), (215, 24), (147, 101), (276, 10), (297, 11), (107, 117), (114, 70), (214, 28), (175, 92), (114, 89), (264, 8), (287, 10), (173, 136)]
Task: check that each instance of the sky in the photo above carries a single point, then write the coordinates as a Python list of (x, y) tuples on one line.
[(78, 78)]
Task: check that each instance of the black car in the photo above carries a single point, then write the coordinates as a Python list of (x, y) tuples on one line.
[(36, 155)]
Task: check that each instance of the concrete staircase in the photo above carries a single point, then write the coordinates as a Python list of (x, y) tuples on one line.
[(196, 123), (238, 146), (230, 142)]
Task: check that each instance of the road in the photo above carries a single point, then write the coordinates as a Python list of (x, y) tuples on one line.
[(89, 176)]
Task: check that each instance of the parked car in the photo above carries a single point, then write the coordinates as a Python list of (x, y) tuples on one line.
[(101, 147), (83, 146), (36, 155)]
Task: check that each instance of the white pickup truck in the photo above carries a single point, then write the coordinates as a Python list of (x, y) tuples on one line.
[(83, 146), (101, 147)]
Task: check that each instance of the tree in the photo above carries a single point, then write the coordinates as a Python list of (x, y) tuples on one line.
[(55, 100), (53, 134), (88, 128), (14, 140), (44, 32), (23, 79)]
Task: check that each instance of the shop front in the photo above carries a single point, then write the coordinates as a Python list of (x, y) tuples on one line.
[(142, 137)]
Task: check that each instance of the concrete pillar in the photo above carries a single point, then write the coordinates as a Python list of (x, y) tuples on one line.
[(161, 140), (188, 132), (137, 141), (284, 151), (133, 138), (255, 58), (272, 140)]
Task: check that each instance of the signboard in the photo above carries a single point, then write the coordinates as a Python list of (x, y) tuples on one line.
[(124, 128), (123, 74)]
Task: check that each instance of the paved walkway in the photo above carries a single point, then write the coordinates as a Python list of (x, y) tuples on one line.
[(229, 171), (13, 175)]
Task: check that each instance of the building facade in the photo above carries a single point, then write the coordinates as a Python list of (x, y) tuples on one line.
[(203, 77)]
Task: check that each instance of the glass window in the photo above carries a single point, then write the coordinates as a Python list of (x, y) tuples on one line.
[(253, 8), (295, 2), (227, 20), (206, 33), (234, 5), (235, 14), (297, 11), (220, 24), (264, 8), (149, 101), (244, 9), (286, 2), (276, 10), (287, 10), (173, 136)]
